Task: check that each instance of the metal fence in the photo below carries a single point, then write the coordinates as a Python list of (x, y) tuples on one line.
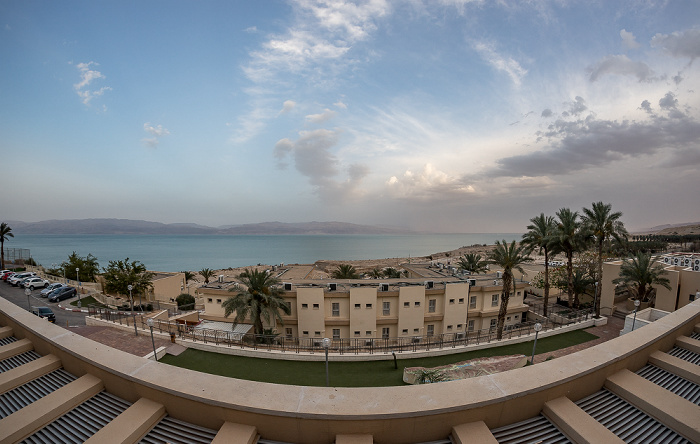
[(338, 345), (17, 254)]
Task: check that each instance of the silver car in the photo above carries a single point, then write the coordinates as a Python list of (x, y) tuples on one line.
[(47, 291), (34, 282)]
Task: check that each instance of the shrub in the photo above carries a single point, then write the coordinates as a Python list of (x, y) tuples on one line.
[(185, 302)]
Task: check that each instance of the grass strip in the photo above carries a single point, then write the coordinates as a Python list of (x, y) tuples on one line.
[(350, 374)]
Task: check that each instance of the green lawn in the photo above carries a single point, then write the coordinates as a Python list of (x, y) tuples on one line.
[(349, 374), (86, 301)]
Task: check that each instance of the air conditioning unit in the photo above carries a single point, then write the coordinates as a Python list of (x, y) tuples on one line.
[(459, 335), (499, 274), (472, 282), (383, 287), (676, 261), (429, 284), (696, 261), (495, 282), (696, 267), (667, 260), (221, 278), (332, 287), (287, 286)]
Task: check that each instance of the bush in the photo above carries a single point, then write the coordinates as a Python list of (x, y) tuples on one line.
[(185, 302)]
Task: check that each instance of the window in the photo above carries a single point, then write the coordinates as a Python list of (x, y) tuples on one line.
[(357, 333), (406, 304), (209, 300), (449, 327), (692, 297), (317, 333), (417, 304), (336, 333), (357, 306), (288, 332), (335, 309), (386, 308), (304, 305), (315, 306), (516, 317), (461, 300), (416, 330), (431, 305), (459, 325), (368, 333), (452, 301), (494, 300), (385, 333), (431, 329), (306, 333), (508, 318), (493, 323), (405, 331), (518, 293), (472, 302), (368, 305), (471, 325)]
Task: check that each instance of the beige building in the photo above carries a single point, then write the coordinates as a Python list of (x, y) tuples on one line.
[(682, 270), (415, 307)]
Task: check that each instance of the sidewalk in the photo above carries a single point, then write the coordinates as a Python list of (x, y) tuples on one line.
[(604, 332), (123, 340)]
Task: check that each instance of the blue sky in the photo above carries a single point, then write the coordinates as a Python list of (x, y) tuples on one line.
[(448, 116)]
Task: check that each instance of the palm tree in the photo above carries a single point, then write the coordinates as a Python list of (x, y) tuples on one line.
[(568, 237), (261, 299), (5, 234), (206, 274), (583, 282), (639, 275), (509, 257), (538, 238), (603, 225), (375, 273), (345, 271), (473, 263), (392, 273)]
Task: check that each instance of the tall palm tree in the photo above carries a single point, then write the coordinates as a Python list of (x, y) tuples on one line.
[(568, 237), (5, 234), (538, 238), (206, 274), (261, 299), (375, 273), (603, 225), (345, 271), (509, 257), (472, 263), (583, 283), (639, 274)]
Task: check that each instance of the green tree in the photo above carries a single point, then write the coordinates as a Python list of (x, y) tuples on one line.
[(345, 271), (639, 274), (118, 275), (603, 224), (206, 274), (185, 301), (5, 234), (392, 273), (375, 273), (189, 276), (538, 238), (569, 237), (583, 283), (509, 257), (472, 263), (262, 299), (87, 265)]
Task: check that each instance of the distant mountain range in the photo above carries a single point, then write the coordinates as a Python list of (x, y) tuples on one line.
[(126, 226)]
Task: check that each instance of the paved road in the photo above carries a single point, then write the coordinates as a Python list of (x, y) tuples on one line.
[(64, 318)]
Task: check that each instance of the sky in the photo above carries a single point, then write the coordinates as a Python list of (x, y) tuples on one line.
[(433, 115)]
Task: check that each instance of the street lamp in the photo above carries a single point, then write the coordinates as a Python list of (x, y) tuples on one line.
[(77, 278), (636, 307), (538, 328), (27, 291), (133, 316), (326, 344), (149, 321), (595, 301)]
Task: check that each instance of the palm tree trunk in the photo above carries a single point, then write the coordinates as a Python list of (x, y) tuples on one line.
[(546, 281), (2, 254), (570, 276), (507, 281)]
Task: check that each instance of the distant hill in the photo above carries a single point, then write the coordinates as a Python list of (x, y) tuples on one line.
[(684, 228), (127, 226)]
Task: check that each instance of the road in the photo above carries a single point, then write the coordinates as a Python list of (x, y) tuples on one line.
[(64, 318)]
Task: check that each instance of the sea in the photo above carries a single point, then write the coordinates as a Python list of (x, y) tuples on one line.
[(195, 252)]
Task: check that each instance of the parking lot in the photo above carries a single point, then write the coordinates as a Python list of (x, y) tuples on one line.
[(64, 318)]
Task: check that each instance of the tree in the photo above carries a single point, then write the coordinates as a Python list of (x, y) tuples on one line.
[(5, 234), (345, 271), (392, 273), (472, 263), (509, 257), (206, 274), (538, 238), (639, 274), (185, 301), (375, 273), (603, 224), (188, 276), (583, 282), (261, 299), (568, 237), (118, 275), (87, 266)]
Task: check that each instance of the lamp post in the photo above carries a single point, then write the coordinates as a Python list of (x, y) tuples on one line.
[(77, 278), (538, 327), (27, 291), (149, 321), (133, 316), (595, 301), (326, 344), (636, 307)]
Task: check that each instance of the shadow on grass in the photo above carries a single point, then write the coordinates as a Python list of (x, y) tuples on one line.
[(350, 374)]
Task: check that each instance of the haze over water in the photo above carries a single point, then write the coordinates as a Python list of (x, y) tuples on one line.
[(194, 252)]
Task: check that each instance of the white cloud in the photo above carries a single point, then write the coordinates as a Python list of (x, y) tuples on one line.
[(326, 115), (287, 106), (506, 64), (87, 76), (156, 131), (628, 40), (428, 183), (621, 65), (679, 44), (340, 104)]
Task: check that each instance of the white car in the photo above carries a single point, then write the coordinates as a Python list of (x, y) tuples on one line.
[(16, 279), (34, 282), (46, 291)]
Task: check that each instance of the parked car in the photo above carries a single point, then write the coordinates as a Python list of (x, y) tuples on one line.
[(62, 293), (34, 282), (44, 312), (16, 279), (7, 275), (48, 290)]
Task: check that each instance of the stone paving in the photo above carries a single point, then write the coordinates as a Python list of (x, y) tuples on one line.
[(605, 332)]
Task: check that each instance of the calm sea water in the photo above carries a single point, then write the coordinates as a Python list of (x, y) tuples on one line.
[(176, 253)]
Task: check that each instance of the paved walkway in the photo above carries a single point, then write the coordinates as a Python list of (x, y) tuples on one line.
[(606, 332)]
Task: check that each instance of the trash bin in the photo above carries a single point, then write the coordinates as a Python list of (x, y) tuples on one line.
[(172, 337)]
